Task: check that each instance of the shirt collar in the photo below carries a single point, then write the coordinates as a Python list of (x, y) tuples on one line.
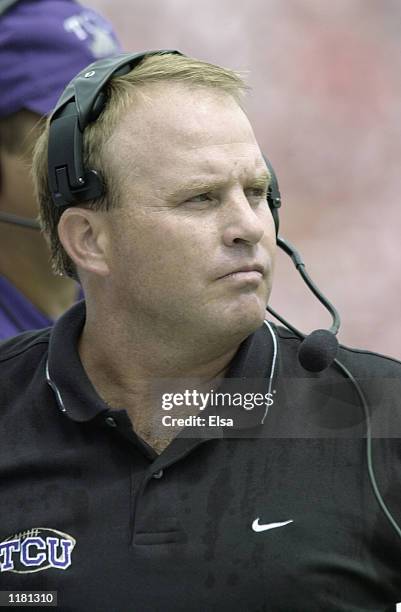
[(77, 398)]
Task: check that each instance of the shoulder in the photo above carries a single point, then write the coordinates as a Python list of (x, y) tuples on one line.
[(23, 349), (368, 363), (364, 363), (375, 378), (22, 369)]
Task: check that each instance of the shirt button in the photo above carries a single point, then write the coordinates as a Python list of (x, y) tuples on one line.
[(110, 421), (158, 474)]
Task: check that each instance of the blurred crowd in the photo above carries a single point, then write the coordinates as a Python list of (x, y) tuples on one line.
[(326, 93)]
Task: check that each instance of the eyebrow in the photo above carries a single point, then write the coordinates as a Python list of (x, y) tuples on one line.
[(261, 181)]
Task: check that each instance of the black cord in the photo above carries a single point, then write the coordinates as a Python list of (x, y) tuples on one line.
[(364, 404), (21, 221), (300, 266), (369, 458), (288, 248)]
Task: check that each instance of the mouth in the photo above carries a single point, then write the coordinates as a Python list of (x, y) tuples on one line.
[(250, 272)]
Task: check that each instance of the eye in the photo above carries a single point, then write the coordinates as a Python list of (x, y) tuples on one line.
[(200, 198), (257, 192), (256, 196)]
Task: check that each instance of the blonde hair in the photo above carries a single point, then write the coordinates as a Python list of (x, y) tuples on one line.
[(120, 92)]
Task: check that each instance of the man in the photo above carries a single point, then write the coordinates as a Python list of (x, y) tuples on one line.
[(121, 489), (43, 44)]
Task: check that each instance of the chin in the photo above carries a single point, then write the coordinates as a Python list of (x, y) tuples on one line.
[(244, 317)]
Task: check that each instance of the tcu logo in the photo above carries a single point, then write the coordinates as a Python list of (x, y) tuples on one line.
[(36, 550), (94, 32)]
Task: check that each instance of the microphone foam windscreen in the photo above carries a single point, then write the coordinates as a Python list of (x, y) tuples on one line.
[(318, 350)]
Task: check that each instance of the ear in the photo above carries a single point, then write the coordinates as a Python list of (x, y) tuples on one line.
[(83, 234)]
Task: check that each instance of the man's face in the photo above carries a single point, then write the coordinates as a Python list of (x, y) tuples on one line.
[(193, 242)]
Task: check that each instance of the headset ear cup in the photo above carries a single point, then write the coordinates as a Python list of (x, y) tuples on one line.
[(273, 194), (275, 215), (80, 104)]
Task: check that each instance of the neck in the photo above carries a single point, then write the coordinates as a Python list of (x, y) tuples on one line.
[(134, 373), (122, 366), (24, 261)]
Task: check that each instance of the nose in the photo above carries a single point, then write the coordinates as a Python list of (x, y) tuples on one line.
[(243, 225)]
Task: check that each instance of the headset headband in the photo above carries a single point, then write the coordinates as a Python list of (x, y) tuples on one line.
[(81, 103)]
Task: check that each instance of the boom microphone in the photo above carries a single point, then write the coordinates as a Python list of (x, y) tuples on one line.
[(319, 349)]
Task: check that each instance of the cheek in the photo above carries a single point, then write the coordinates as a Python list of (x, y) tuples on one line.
[(158, 254)]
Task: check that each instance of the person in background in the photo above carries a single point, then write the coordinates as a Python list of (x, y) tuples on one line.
[(43, 44)]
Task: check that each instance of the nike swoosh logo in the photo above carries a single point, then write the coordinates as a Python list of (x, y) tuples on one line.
[(257, 527)]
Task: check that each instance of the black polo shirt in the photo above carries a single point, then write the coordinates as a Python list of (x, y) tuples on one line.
[(278, 516)]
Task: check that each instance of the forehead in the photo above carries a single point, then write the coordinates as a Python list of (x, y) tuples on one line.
[(172, 128)]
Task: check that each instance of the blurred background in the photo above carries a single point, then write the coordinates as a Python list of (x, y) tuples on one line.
[(325, 105)]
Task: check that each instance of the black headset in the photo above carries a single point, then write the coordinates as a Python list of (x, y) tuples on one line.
[(71, 183)]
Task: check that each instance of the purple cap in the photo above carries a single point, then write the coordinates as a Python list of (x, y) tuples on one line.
[(43, 45)]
